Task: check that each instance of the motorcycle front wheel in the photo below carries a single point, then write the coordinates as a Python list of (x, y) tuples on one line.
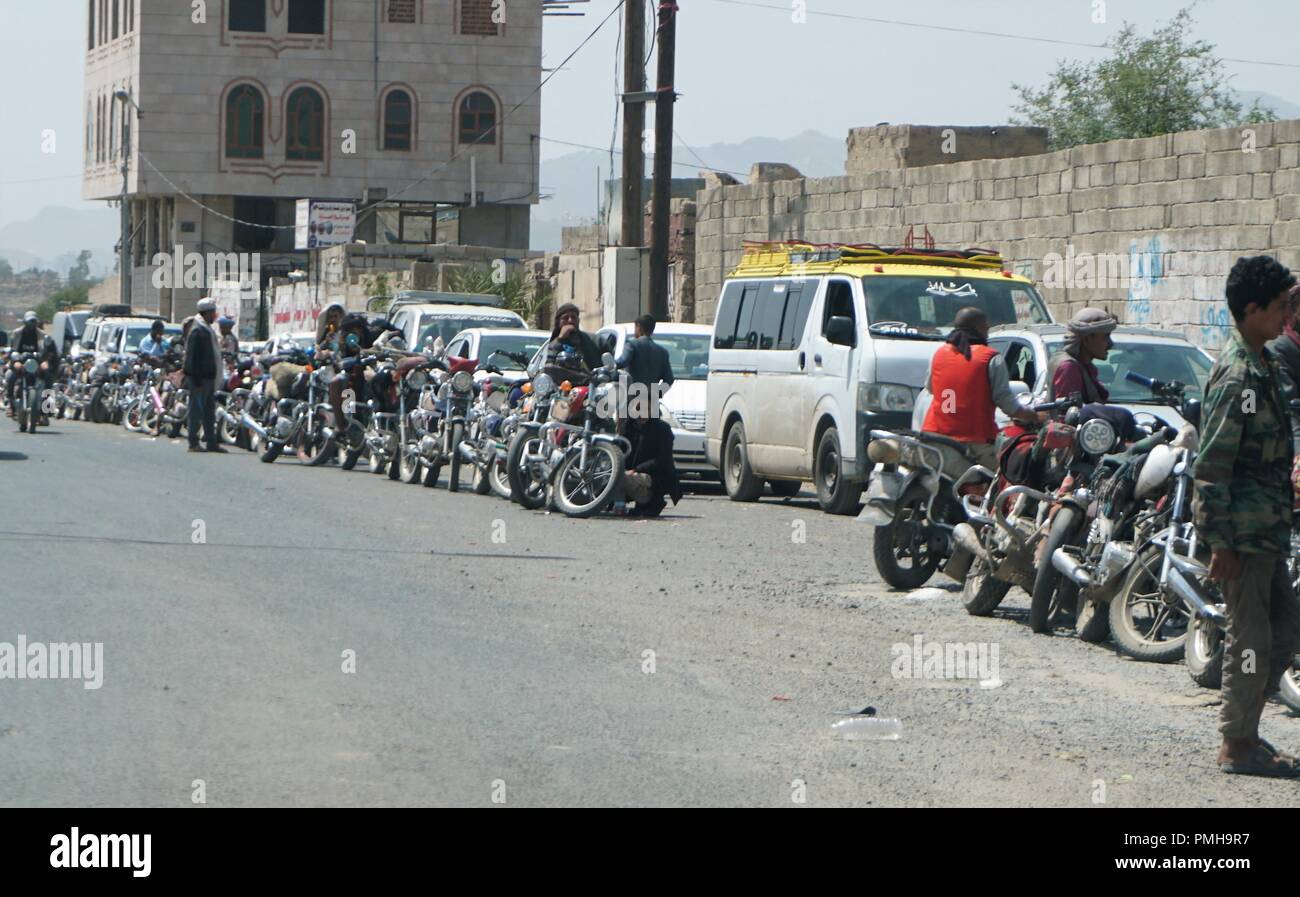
[(499, 475), (1143, 624), (904, 556), (409, 465), (454, 459), (582, 491), (1051, 591)]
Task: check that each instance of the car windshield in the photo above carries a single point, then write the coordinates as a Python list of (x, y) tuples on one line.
[(432, 327), (1161, 360), (136, 335), (491, 349), (912, 307), (688, 353)]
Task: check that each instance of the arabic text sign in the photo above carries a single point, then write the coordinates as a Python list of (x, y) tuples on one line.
[(318, 224)]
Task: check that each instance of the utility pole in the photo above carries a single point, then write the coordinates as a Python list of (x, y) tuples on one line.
[(124, 254), (663, 176), (632, 230)]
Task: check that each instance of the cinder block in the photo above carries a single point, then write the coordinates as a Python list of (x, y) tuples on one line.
[(1191, 166), (1164, 168)]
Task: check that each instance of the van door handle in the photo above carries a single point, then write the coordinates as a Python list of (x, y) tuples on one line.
[(817, 359), (802, 360)]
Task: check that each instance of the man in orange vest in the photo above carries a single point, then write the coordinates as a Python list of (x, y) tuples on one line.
[(967, 380)]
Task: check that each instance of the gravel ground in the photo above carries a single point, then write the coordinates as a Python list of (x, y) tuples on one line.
[(699, 659)]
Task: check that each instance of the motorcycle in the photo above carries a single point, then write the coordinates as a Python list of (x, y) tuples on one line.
[(303, 420), (1131, 495), (996, 545), (231, 400), (485, 441), (29, 390), (915, 499), (580, 447), (106, 377), (444, 444)]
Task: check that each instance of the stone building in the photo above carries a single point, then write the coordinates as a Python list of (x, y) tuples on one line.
[(238, 108)]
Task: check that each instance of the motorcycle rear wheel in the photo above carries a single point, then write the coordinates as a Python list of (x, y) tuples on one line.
[(981, 593), (906, 536), (271, 451), (584, 493), (1050, 589), (528, 492), (350, 458), (1203, 653)]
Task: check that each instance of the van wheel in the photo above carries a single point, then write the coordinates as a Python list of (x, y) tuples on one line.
[(835, 494), (737, 475)]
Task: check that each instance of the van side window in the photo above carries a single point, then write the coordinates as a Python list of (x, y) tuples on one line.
[(735, 311), (773, 298), (797, 305), (839, 302)]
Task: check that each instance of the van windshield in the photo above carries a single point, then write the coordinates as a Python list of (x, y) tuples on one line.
[(920, 307)]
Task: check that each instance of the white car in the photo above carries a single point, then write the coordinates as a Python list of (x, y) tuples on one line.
[(685, 401), (488, 346), (423, 323), (1153, 353)]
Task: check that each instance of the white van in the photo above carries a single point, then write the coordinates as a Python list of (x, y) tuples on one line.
[(814, 346)]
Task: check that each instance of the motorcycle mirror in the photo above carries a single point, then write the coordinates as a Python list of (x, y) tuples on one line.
[(607, 360)]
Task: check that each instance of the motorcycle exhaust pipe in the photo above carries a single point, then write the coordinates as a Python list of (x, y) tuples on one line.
[(1070, 566), (253, 425), (963, 534), (1187, 587)]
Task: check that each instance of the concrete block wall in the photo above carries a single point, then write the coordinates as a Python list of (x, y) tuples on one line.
[(1147, 228)]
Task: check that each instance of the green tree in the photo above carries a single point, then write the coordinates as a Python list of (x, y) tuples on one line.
[(1147, 86), (79, 273), (523, 294), (64, 298)]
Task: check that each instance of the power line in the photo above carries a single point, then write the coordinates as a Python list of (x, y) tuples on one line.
[(975, 31), (601, 149)]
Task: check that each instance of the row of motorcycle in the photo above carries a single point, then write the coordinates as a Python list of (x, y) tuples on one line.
[(1090, 513), (547, 441)]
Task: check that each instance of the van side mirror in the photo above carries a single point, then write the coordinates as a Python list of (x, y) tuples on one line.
[(839, 331), (607, 359)]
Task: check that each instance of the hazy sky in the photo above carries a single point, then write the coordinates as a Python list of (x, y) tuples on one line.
[(744, 70)]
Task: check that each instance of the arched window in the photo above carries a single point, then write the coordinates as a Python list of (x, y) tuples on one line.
[(399, 120), (245, 114), (90, 42), (112, 128), (305, 126), (478, 119)]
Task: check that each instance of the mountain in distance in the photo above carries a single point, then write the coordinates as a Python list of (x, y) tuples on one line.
[(54, 236)]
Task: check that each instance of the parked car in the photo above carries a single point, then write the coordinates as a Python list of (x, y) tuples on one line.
[(424, 317), (1151, 353), (685, 403), (791, 401), (488, 345), (114, 335)]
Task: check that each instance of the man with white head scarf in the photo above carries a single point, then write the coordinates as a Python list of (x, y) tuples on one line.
[(203, 367), (1071, 370)]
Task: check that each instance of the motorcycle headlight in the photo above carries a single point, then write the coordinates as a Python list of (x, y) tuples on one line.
[(1096, 437), (543, 385), (886, 397), (463, 381), (31, 366), (417, 379)]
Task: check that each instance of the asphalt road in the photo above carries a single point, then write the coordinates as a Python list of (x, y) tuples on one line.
[(518, 657)]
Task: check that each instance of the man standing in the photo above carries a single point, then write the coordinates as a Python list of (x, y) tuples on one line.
[(202, 367), (1243, 511), (967, 380), (1071, 370), (229, 342), (647, 365)]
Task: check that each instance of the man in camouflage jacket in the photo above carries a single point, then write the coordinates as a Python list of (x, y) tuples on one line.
[(1243, 511)]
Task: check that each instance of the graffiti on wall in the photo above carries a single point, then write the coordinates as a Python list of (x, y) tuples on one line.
[(1146, 269)]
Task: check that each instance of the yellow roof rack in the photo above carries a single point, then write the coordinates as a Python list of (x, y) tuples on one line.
[(780, 256)]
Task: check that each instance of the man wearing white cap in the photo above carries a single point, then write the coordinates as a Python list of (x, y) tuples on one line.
[(202, 367), (30, 338)]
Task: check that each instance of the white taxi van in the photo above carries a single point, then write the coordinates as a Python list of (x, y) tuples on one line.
[(816, 345)]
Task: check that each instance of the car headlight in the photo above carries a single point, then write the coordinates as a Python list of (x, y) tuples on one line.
[(886, 397), (462, 381), (1096, 437)]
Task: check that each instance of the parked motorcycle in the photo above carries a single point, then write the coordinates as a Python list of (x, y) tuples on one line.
[(580, 445), (915, 499), (444, 446), (1131, 495), (303, 421)]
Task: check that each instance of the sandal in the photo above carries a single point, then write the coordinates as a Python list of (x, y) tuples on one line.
[(1280, 755), (1259, 762)]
